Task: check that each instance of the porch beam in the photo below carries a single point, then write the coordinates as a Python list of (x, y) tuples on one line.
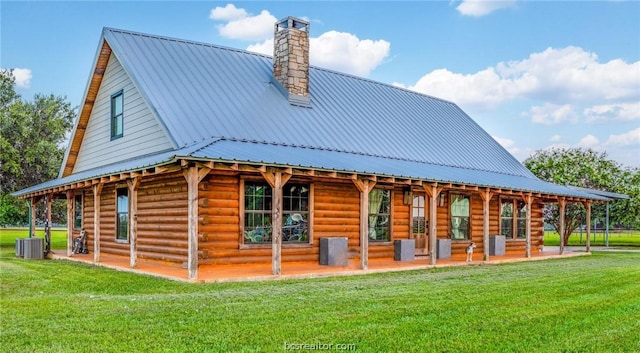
[(69, 222), (133, 185), (193, 174), (486, 196), (562, 202), (97, 192), (433, 191), (587, 205)]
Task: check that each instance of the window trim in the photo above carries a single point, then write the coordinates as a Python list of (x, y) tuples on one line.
[(117, 220), (113, 117), (469, 216), (515, 218), (75, 209), (241, 215)]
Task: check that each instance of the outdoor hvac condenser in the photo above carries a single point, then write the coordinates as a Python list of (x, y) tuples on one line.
[(33, 248)]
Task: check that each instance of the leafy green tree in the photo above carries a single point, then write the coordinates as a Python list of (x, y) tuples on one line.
[(32, 135), (589, 169)]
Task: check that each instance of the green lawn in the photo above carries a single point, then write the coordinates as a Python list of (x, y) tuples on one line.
[(626, 238), (583, 304)]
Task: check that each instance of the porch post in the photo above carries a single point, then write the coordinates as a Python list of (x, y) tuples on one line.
[(433, 191), (49, 201), (528, 198), (276, 180), (69, 222), (97, 191), (32, 220), (364, 186), (194, 175), (133, 185), (562, 202), (486, 198), (587, 205)]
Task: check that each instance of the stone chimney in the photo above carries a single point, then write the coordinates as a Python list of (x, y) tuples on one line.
[(291, 59)]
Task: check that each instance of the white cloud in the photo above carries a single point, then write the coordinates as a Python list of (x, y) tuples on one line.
[(589, 141), (555, 138), (345, 52), (508, 144), (241, 25), (22, 77), (551, 114), (608, 113), (265, 47), (631, 138), (227, 13), (477, 8), (569, 75)]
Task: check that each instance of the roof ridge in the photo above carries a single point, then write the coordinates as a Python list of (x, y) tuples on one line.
[(223, 138)]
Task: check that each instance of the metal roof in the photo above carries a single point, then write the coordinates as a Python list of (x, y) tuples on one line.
[(201, 91)]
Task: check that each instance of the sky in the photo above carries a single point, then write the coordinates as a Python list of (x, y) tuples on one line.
[(535, 75)]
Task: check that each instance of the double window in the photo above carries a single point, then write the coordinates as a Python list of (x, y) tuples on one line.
[(122, 214), (258, 205), (380, 215), (513, 219), (460, 212), (117, 112)]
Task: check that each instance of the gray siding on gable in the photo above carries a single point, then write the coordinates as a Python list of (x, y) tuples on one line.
[(142, 133)]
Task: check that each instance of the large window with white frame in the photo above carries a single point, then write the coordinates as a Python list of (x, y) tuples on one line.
[(460, 211), (513, 218), (117, 115), (380, 215), (257, 212)]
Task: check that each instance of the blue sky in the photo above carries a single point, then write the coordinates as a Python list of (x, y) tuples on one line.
[(534, 74)]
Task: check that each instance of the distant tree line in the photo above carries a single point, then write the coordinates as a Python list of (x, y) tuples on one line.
[(32, 141)]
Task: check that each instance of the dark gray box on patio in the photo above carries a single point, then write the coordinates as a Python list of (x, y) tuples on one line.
[(443, 249), (33, 248), (20, 247), (497, 245), (334, 252), (404, 250)]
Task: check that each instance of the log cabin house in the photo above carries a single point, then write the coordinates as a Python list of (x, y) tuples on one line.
[(189, 153)]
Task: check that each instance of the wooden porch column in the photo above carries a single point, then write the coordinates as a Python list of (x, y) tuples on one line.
[(32, 219), (486, 196), (49, 202), (587, 205), (133, 185), (433, 191), (97, 191), (364, 186), (562, 202), (194, 175), (69, 222), (528, 198), (276, 180)]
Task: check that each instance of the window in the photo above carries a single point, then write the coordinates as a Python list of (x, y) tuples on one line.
[(295, 212), (380, 215), (257, 212), (459, 216), (419, 221), (513, 224), (122, 214), (117, 109), (77, 212)]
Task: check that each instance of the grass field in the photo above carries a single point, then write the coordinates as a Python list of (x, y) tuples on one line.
[(626, 238), (583, 304)]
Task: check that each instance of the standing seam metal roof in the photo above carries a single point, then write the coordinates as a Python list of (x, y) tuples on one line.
[(200, 91)]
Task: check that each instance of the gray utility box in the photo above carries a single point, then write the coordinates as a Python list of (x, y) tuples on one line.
[(334, 252), (404, 250), (443, 249), (497, 245), (20, 246), (33, 248)]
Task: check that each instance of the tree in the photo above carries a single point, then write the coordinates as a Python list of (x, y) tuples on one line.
[(589, 169), (32, 135)]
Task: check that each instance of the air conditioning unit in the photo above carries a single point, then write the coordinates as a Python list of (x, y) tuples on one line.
[(20, 247), (33, 248)]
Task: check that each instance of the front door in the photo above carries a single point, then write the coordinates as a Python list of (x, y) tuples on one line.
[(419, 224)]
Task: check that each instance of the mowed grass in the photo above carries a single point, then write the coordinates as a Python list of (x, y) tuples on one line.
[(583, 304), (624, 238)]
